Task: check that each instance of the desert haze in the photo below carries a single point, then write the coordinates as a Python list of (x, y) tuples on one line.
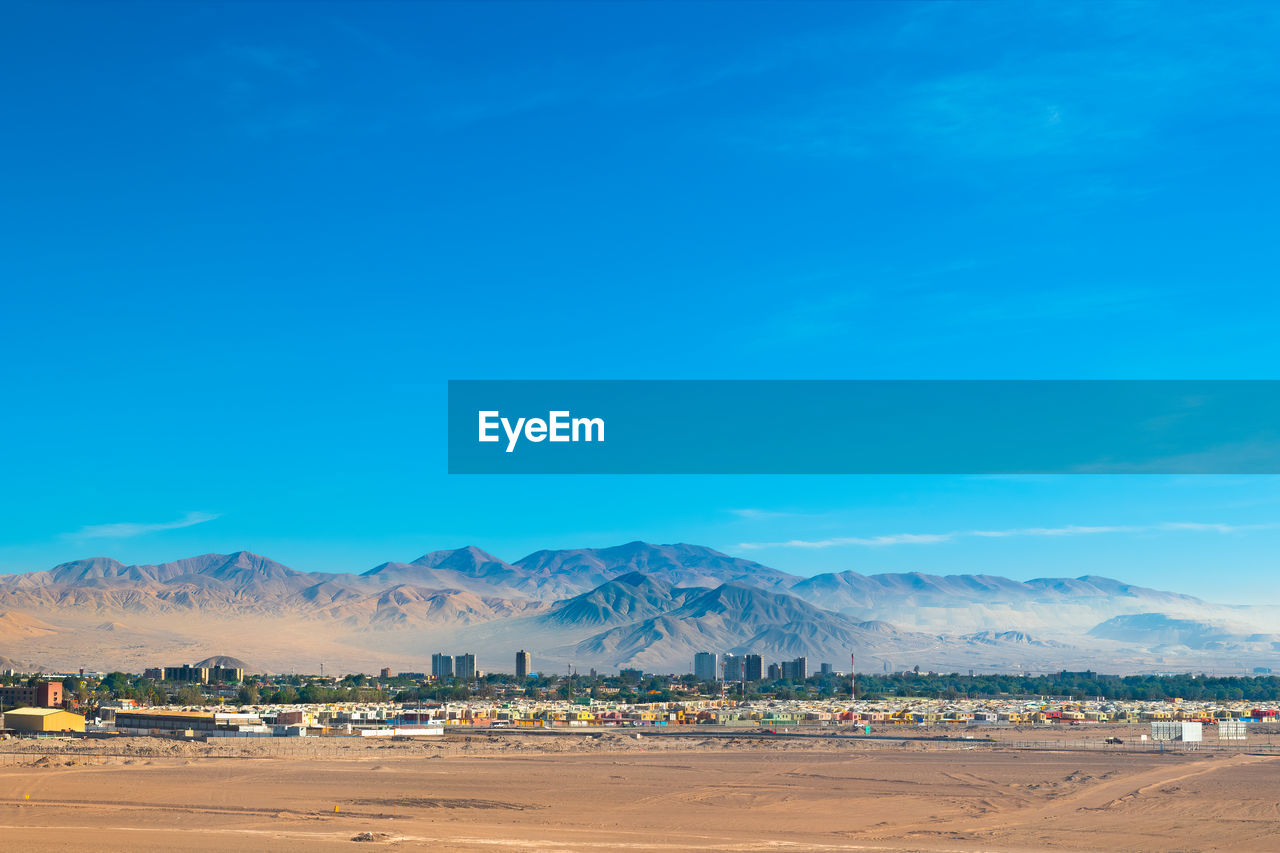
[(640, 605)]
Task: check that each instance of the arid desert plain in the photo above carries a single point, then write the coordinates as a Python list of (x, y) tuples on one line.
[(616, 791)]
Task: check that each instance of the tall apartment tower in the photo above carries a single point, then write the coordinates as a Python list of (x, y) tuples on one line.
[(524, 663), (706, 666), (732, 668), (795, 670), (753, 666), (464, 667), (441, 665)]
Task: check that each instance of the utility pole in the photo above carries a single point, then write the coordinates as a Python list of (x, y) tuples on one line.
[(853, 680)]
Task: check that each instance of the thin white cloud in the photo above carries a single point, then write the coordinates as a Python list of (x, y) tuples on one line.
[(1070, 530), (128, 529), (866, 541), (752, 514)]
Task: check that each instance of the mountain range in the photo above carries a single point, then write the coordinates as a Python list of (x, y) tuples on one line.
[(650, 606)]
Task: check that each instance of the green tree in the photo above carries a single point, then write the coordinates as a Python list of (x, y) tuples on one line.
[(118, 684)]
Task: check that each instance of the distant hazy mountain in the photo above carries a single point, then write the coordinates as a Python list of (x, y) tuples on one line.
[(627, 598), (986, 602), (224, 582), (1159, 629), (678, 565), (19, 626), (553, 575), (635, 604), (1017, 638), (408, 606), (739, 619), (468, 568), (20, 665)]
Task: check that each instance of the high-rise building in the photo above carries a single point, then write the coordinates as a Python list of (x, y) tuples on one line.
[(225, 674), (386, 672), (775, 672), (706, 666), (524, 663), (187, 674), (732, 668), (753, 666), (441, 665), (464, 667), (826, 669), (795, 670)]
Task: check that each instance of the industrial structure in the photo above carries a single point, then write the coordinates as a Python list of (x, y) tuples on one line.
[(43, 720)]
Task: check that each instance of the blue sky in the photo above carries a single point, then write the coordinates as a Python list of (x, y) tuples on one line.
[(244, 245)]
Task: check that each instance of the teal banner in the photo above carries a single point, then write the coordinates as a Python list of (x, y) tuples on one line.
[(863, 427)]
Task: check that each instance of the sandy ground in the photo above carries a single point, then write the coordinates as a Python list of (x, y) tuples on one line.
[(615, 792)]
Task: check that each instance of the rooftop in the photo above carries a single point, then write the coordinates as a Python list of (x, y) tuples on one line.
[(188, 715)]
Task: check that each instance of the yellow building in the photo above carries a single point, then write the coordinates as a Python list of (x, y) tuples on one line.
[(43, 720)]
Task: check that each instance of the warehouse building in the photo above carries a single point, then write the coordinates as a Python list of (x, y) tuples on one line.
[(43, 720), (164, 722)]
